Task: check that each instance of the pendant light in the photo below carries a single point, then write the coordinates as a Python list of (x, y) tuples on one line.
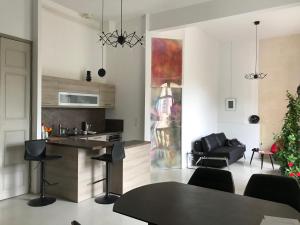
[(256, 74), (101, 71), (231, 69), (121, 38)]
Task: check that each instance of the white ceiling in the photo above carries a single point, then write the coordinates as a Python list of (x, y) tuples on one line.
[(131, 8), (274, 23)]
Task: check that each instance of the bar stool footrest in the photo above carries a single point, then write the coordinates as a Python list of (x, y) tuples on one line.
[(48, 183), (97, 181)]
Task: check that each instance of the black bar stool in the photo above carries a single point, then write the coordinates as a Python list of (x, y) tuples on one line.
[(117, 154), (35, 150)]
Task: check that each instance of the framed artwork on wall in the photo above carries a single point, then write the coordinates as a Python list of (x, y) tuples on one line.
[(230, 104), (166, 112), (166, 63)]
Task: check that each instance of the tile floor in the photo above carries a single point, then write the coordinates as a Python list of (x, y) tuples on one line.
[(16, 212)]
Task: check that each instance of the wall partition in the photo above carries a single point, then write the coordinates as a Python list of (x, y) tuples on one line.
[(279, 57), (166, 102)]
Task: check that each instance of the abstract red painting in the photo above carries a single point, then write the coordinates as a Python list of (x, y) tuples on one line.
[(166, 62)]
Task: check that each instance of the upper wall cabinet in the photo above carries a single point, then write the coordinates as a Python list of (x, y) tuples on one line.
[(107, 96), (49, 91), (60, 92)]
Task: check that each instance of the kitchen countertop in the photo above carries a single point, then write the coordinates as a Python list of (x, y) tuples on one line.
[(89, 135), (79, 143), (135, 143), (100, 133)]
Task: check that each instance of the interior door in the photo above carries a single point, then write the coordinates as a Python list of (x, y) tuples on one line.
[(15, 70)]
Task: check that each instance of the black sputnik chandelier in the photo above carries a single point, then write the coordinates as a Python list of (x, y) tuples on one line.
[(256, 74), (120, 37)]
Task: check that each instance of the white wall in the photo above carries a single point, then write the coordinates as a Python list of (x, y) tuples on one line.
[(36, 96), (70, 44), (200, 87), (16, 18), (206, 84), (126, 69), (235, 123)]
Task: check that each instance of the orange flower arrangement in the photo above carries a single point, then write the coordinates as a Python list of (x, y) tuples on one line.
[(48, 129)]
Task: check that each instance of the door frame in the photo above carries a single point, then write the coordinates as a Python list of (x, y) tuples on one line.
[(17, 39)]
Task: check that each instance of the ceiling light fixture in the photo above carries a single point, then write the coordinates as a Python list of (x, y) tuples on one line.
[(122, 38), (102, 71), (256, 74)]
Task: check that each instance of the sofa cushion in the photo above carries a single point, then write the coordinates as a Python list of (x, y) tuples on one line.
[(209, 143), (221, 139), (232, 153), (233, 143), (221, 152), (198, 146)]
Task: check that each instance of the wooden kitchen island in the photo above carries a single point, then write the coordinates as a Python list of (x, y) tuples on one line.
[(77, 174)]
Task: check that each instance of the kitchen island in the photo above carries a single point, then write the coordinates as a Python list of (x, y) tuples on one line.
[(78, 176), (134, 171)]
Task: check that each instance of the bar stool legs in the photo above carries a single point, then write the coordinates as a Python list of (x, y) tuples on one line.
[(42, 200), (107, 198)]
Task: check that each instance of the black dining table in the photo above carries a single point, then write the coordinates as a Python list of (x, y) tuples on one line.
[(172, 203)]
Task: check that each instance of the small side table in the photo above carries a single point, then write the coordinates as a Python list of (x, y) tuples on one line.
[(262, 154)]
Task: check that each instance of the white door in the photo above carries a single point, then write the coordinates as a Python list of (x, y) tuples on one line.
[(15, 67)]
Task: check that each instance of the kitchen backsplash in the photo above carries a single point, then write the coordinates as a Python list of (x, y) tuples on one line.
[(71, 118)]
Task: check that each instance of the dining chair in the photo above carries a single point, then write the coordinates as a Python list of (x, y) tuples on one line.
[(274, 188), (213, 178)]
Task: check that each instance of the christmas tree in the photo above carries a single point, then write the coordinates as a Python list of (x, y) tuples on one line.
[(288, 140)]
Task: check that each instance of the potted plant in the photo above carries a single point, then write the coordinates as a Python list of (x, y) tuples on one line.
[(288, 140)]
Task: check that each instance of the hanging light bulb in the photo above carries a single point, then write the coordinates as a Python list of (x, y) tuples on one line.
[(101, 71), (256, 74)]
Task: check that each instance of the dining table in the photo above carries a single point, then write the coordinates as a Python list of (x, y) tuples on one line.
[(173, 203)]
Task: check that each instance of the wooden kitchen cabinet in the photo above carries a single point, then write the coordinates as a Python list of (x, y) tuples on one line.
[(49, 91), (51, 86), (107, 96), (76, 86), (134, 171)]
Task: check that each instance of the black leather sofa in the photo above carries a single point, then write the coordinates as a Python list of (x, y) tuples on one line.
[(217, 145)]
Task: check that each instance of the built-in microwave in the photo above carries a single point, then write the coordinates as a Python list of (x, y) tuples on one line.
[(78, 99)]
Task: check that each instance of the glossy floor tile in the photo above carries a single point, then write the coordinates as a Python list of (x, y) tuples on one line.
[(16, 212)]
